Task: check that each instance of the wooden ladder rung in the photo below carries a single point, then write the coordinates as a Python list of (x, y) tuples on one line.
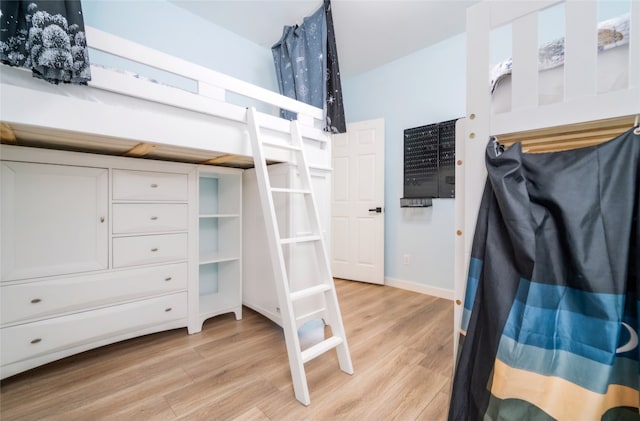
[(305, 239), (320, 348), (281, 190), (282, 146), (307, 292)]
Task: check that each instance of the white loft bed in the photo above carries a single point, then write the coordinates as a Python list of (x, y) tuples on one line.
[(134, 117), (582, 110), (124, 115)]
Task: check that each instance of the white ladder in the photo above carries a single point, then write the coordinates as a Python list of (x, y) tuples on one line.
[(326, 287)]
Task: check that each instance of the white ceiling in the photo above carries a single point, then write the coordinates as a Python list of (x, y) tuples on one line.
[(369, 33)]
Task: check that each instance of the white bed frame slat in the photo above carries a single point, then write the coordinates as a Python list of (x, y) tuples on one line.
[(594, 107), (124, 84), (580, 67), (524, 91), (129, 50), (634, 46), (505, 12)]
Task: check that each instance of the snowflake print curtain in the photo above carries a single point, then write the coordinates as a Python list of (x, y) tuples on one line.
[(550, 321), (307, 68), (47, 37)]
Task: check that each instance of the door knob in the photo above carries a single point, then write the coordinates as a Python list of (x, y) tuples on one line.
[(377, 210)]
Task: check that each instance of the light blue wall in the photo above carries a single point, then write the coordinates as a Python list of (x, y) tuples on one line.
[(422, 88), (428, 87), (165, 27)]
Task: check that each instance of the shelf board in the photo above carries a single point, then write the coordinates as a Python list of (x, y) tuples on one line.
[(219, 215), (215, 303), (217, 258)]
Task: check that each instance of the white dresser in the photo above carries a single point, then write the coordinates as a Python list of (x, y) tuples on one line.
[(96, 249)]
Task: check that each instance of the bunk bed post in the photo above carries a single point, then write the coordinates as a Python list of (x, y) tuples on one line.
[(459, 268), (470, 149)]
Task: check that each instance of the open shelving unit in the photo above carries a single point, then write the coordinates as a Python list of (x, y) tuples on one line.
[(219, 242)]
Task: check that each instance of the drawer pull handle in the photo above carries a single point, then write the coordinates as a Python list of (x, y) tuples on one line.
[(36, 340), (167, 279), (154, 218), (168, 309), (154, 186), (154, 249), (36, 301)]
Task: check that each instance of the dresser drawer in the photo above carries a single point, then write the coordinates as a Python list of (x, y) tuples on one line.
[(31, 340), (147, 249), (146, 185), (49, 297), (131, 218)]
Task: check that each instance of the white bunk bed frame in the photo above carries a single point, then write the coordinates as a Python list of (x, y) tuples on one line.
[(117, 114), (582, 108), (160, 121)]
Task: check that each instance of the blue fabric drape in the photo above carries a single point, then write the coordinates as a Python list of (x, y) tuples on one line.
[(300, 57), (550, 323), (334, 111), (47, 37), (307, 69)]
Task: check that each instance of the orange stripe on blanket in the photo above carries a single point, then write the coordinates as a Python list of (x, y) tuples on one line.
[(563, 400)]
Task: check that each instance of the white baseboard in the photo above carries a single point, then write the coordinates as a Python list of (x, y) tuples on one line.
[(447, 294)]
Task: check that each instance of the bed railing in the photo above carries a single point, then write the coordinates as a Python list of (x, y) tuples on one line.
[(581, 100), (212, 87)]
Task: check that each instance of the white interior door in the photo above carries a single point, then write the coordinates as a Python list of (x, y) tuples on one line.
[(357, 217)]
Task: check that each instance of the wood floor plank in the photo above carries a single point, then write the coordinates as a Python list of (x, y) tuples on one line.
[(400, 343), (152, 408), (437, 409), (70, 396), (253, 414), (132, 399), (224, 406), (412, 395)]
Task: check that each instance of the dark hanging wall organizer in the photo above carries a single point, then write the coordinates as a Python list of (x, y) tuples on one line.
[(429, 163)]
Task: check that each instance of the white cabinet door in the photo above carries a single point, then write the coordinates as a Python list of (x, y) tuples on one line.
[(53, 219), (293, 220), (302, 260)]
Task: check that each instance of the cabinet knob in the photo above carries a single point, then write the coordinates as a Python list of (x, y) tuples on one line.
[(102, 219), (154, 186), (36, 340), (167, 279), (154, 218), (154, 249), (36, 301), (168, 309)]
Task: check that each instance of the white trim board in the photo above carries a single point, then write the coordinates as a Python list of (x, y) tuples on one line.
[(447, 294)]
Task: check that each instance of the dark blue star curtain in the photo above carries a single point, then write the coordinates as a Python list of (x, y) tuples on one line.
[(47, 37), (307, 69)]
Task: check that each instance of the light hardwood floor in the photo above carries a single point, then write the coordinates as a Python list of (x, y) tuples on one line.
[(401, 348)]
